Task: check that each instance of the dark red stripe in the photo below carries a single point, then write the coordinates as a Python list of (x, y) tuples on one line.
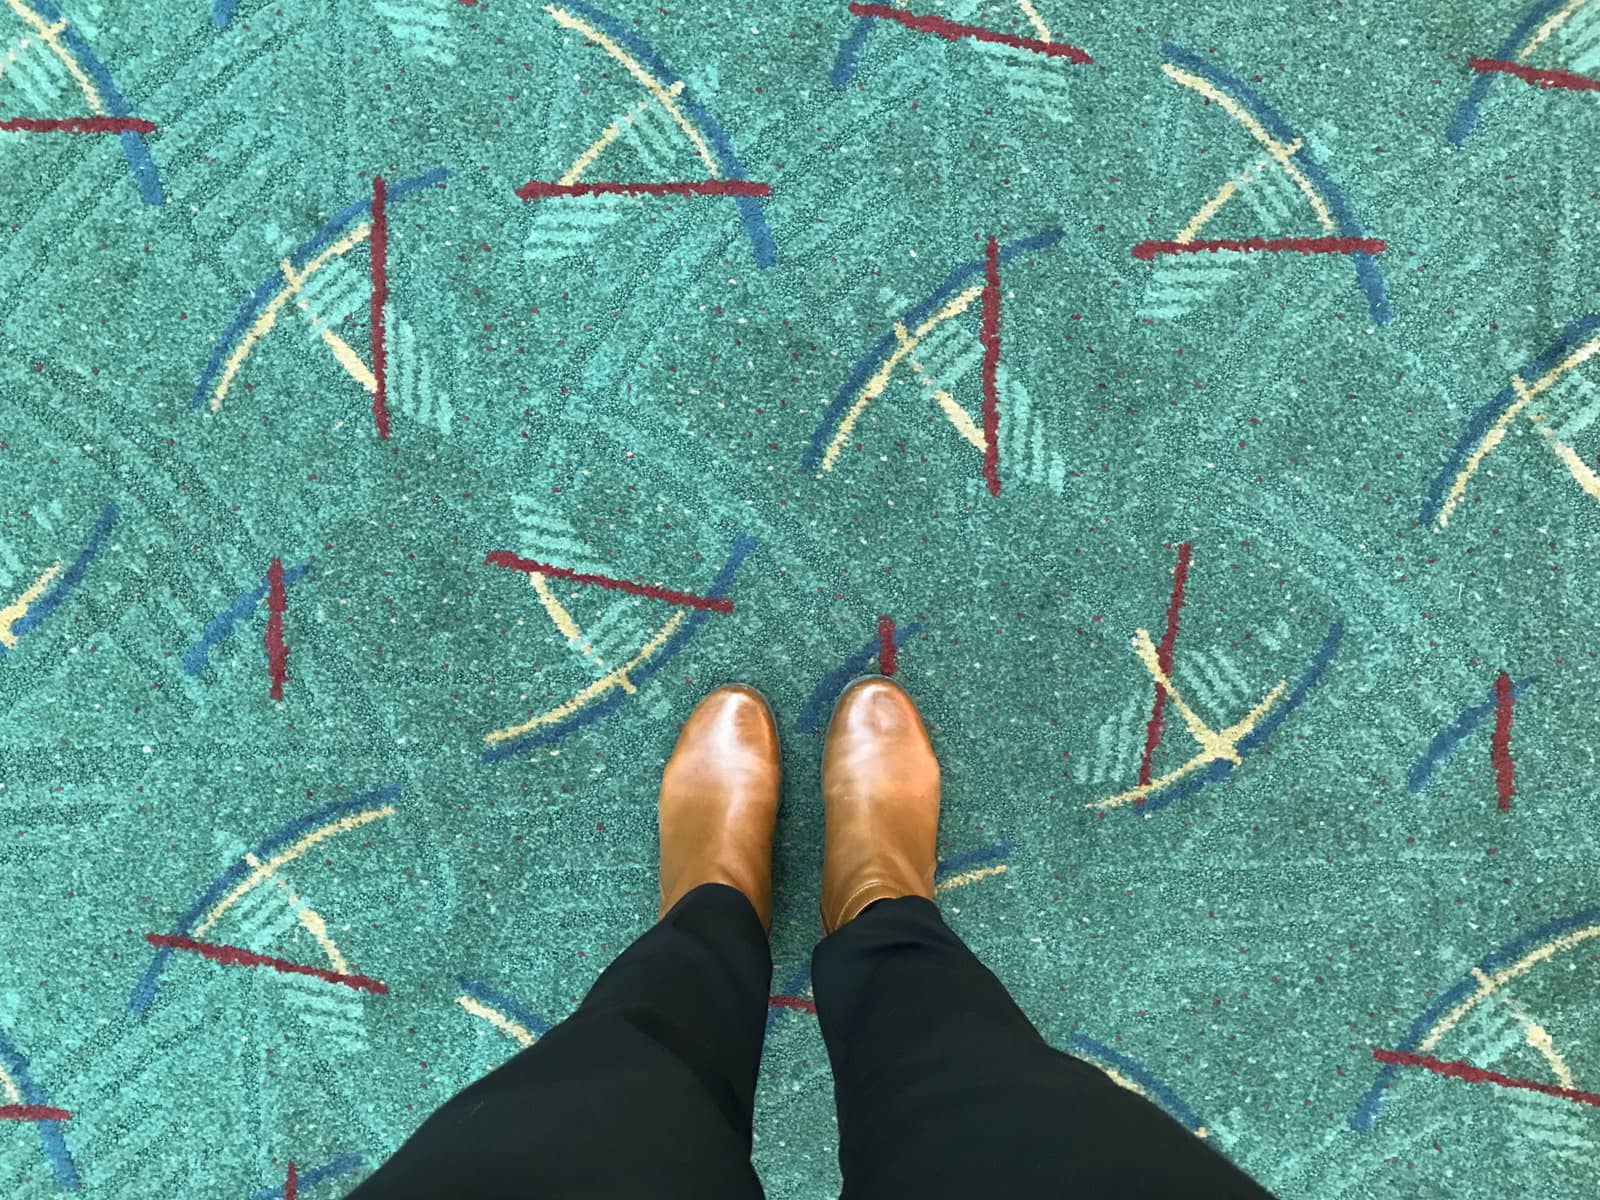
[(504, 558), (886, 647), (291, 1185), (238, 956), (989, 336), (380, 297), (537, 189), (77, 125), (1472, 1074), (1304, 245), (799, 1002), (955, 32), (1500, 747), (1152, 735), (32, 1112), (1539, 76), (277, 648)]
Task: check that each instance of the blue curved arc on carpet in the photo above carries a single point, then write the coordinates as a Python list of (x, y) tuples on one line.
[(145, 175), (222, 11), (224, 622), (968, 859), (1368, 277), (342, 1165), (62, 587), (848, 60), (833, 682), (1446, 740), (144, 991), (1481, 421), (298, 258), (750, 212), (51, 1141), (1467, 115), (1221, 768), (743, 546), (522, 1015), (1366, 1113), (861, 370), (1136, 1072)]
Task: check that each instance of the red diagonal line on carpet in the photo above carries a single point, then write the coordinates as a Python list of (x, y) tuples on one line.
[(77, 125), (1302, 245), (1500, 746), (1544, 77), (291, 1184), (380, 298), (1472, 1074), (1152, 735), (536, 189), (32, 1112), (238, 956), (886, 649), (954, 31), (505, 558), (277, 649), (799, 1002), (989, 336)]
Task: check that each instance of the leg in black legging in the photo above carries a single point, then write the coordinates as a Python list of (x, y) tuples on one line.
[(945, 1089), (646, 1090)]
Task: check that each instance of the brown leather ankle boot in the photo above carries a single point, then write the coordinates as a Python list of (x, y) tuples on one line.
[(719, 800), (880, 801)]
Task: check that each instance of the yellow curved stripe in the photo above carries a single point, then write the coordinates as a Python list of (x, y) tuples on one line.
[(293, 282), (612, 131), (1280, 153), (650, 83), (569, 627), (1214, 744), (1526, 392), (1492, 437), (880, 379), (961, 419), (264, 871), (1207, 210), (958, 416), (616, 678), (499, 1020), (50, 35), (1539, 1038), (1552, 23), (967, 877), (311, 920), (343, 352), (558, 611), (1229, 189), (1488, 985), (18, 608), (1581, 471), (1039, 27)]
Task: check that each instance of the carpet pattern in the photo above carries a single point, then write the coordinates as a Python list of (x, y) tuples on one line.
[(409, 408)]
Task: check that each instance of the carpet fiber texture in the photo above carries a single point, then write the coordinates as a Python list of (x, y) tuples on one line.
[(409, 408)]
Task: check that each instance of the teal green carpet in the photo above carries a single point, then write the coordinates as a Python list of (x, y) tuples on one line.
[(1198, 398)]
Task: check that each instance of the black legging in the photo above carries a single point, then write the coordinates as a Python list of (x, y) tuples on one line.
[(944, 1089)]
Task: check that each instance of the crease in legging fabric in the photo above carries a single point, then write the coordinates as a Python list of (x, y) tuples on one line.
[(647, 1090), (945, 1089)]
